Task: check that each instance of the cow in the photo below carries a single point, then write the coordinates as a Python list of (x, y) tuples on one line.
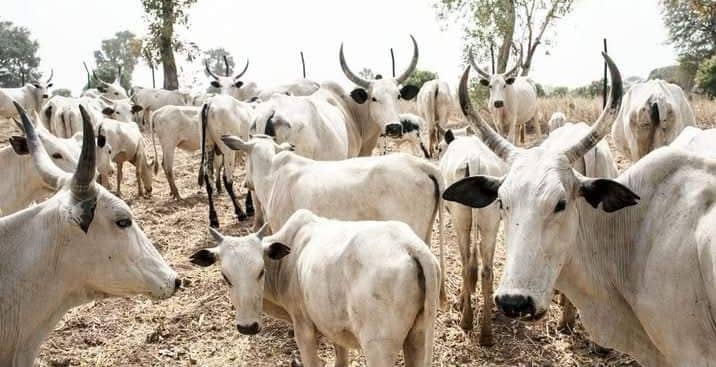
[(333, 278), (176, 127), (61, 115), (652, 114), (80, 245), (232, 85), (696, 140), (148, 100), (640, 274), (557, 120), (31, 97), (23, 184), (413, 125), (300, 87), (513, 99), (128, 146), (465, 156), (113, 90), (434, 104)]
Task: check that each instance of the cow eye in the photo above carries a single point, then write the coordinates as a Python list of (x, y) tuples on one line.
[(374, 100), (226, 279), (560, 206), (56, 156), (261, 274), (116, 93), (124, 223)]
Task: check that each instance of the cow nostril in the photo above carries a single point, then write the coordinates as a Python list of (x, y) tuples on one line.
[(516, 305), (499, 104), (252, 329)]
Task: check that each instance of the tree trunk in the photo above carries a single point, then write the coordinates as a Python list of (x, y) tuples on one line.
[(171, 81), (503, 54)]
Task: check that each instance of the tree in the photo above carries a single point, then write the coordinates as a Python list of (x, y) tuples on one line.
[(163, 16), (502, 22), (692, 27), (419, 77), (62, 92), (122, 50), (18, 55), (590, 90), (706, 76), (215, 59)]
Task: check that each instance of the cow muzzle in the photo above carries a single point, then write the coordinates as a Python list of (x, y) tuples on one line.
[(394, 130), (252, 329), (499, 104), (518, 306)]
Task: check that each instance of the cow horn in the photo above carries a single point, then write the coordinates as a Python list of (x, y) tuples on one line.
[(413, 63), (52, 73), (50, 173), (89, 80), (83, 179), (601, 127), (226, 67), (471, 57), (208, 70), (493, 140), (118, 80), (263, 231), (349, 74), (246, 67), (518, 65), (94, 74)]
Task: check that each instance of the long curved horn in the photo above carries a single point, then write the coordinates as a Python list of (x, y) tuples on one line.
[(413, 63), (50, 173), (246, 67), (208, 70), (493, 140), (601, 127), (226, 67), (349, 74), (94, 74), (89, 79), (118, 79), (518, 65), (471, 57), (83, 179), (52, 73)]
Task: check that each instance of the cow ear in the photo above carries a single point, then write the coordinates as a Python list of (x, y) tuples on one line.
[(510, 80), (215, 84), (19, 145), (102, 89), (475, 191), (408, 92), (359, 95), (136, 108), (238, 84), (101, 141), (235, 143), (108, 111), (611, 194), (204, 257), (485, 82), (37, 86), (276, 250), (449, 136)]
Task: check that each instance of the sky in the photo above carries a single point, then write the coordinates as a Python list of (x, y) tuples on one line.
[(271, 33)]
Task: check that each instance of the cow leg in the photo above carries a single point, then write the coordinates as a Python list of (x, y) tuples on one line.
[(213, 218), (138, 171), (168, 167), (569, 314), (342, 356), (513, 131), (307, 341), (462, 223), (488, 237), (217, 163), (120, 164), (249, 204), (538, 127), (414, 344), (380, 353), (229, 184)]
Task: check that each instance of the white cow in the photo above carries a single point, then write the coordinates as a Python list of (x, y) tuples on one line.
[(333, 279), (128, 146), (61, 115), (652, 114), (640, 274), (148, 100), (113, 90), (31, 97), (300, 87), (557, 120), (434, 105), (80, 245), (465, 156), (696, 140), (513, 100)]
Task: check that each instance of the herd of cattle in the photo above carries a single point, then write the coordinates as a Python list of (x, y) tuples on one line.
[(342, 238)]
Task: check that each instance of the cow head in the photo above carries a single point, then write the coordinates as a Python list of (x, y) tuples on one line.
[(260, 150), (117, 109), (104, 154), (650, 125), (243, 267), (497, 83), (62, 154), (539, 197), (228, 85), (103, 250), (112, 90), (40, 89), (381, 95)]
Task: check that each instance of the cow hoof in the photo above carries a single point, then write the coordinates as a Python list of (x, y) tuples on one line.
[(486, 340), (296, 363), (466, 324), (214, 223)]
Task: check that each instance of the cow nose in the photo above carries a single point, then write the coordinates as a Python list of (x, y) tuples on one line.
[(515, 305), (44, 96), (499, 104), (252, 329), (394, 130)]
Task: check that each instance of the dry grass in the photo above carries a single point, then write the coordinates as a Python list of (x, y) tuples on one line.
[(196, 327)]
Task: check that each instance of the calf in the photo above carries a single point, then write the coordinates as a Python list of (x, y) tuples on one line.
[(31, 97), (332, 278), (434, 104), (557, 120), (148, 100), (80, 245), (128, 146)]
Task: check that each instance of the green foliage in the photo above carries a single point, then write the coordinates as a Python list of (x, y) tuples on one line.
[(122, 50), (215, 58), (540, 90), (62, 92), (419, 77), (590, 90), (692, 27), (559, 92), (706, 76), (18, 55), (680, 74)]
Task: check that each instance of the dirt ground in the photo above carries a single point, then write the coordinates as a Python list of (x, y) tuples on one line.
[(196, 328)]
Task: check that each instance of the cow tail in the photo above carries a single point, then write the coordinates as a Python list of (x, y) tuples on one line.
[(439, 183), (433, 281), (204, 122), (155, 164)]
